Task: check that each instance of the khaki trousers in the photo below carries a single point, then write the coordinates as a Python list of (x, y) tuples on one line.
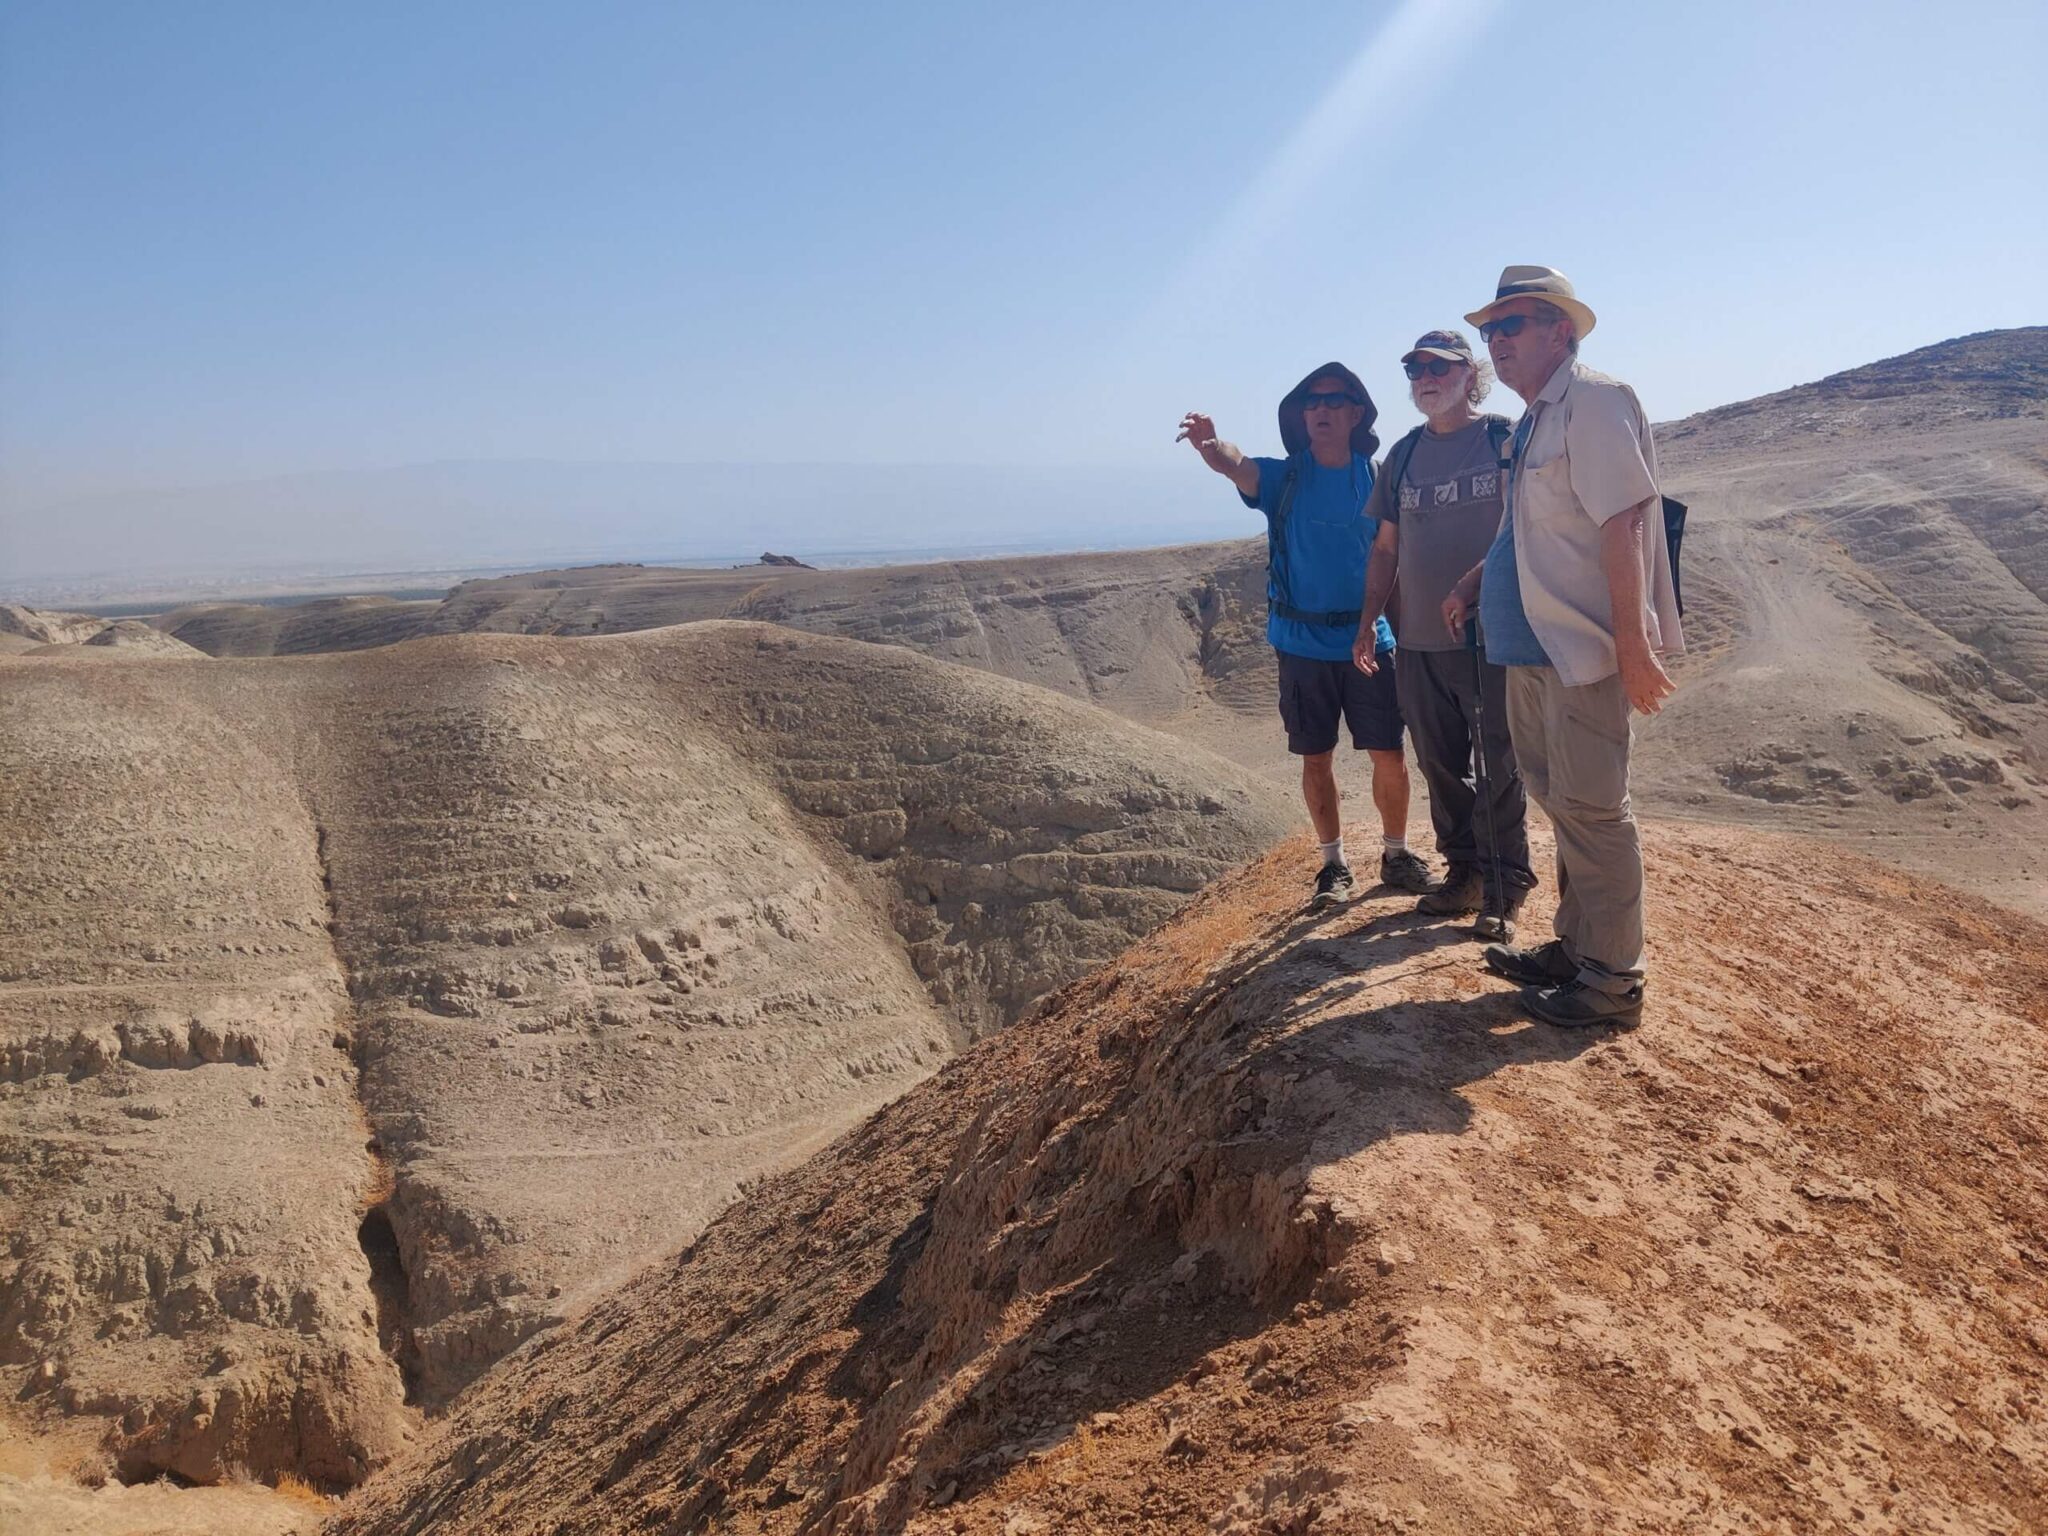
[(1573, 746)]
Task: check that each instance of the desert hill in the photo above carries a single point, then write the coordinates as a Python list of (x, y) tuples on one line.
[(1865, 579), (298, 629), (1158, 635), (363, 1013), (23, 629), (1278, 1225), (1871, 557)]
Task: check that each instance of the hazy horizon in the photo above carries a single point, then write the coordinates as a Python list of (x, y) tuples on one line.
[(268, 252), (451, 516)]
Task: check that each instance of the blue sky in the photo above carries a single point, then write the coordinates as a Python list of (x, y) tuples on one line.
[(246, 240)]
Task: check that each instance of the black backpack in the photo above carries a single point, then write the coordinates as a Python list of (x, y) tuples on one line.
[(1674, 534), (1498, 432)]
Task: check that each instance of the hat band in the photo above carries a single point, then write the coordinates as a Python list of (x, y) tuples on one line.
[(1525, 290)]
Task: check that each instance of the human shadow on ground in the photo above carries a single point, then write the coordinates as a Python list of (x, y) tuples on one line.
[(1297, 1001)]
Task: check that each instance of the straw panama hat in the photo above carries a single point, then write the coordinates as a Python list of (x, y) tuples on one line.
[(1537, 283)]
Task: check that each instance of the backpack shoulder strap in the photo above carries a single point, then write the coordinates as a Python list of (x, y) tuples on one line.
[(1498, 430), (1276, 529), (1288, 482), (1397, 460)]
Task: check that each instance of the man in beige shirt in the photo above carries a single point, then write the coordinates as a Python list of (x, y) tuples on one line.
[(1576, 599)]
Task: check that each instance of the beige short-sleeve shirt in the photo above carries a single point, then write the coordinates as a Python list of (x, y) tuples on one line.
[(1589, 458)]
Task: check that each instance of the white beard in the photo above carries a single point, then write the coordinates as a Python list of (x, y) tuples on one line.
[(1446, 397)]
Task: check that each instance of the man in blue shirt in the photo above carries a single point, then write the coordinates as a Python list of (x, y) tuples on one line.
[(1318, 543)]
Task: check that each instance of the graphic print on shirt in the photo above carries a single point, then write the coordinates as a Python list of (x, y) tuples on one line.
[(1448, 509), (1456, 491)]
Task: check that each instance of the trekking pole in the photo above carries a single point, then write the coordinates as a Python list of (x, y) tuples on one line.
[(1484, 782)]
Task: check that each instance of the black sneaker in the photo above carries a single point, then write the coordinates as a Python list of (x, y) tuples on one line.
[(1405, 872), (1462, 891), (1333, 884), (1543, 966), (1574, 1005)]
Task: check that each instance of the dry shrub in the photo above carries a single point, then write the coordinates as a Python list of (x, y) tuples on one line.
[(299, 1491)]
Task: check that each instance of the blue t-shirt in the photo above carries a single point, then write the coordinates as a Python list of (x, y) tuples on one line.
[(1328, 542)]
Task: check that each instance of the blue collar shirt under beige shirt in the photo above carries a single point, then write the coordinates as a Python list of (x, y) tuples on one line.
[(1583, 456)]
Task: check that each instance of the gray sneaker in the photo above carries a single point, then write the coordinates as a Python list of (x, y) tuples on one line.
[(1333, 884), (1405, 872), (1574, 1005)]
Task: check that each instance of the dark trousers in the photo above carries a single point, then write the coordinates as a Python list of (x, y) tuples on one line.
[(1439, 701)]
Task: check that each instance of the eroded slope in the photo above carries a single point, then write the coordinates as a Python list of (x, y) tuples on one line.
[(1280, 1226), (1874, 602), (622, 923), (182, 1163)]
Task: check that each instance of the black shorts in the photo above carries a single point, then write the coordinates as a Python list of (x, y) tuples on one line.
[(1314, 695)]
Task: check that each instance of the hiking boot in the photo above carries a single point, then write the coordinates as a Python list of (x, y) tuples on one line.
[(1494, 928), (1462, 891), (1405, 872), (1497, 921), (1333, 884), (1574, 1005), (1544, 966)]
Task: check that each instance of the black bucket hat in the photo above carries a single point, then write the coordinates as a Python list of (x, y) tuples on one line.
[(1294, 430)]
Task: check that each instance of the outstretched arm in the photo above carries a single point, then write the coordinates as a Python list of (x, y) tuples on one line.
[(1379, 586), (1227, 459)]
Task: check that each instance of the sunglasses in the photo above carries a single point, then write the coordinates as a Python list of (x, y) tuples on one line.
[(1509, 325), (1317, 402), (1436, 367)]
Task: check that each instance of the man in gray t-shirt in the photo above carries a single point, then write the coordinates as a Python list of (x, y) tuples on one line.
[(1438, 500)]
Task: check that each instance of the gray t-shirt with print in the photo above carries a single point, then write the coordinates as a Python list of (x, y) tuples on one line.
[(1448, 509)]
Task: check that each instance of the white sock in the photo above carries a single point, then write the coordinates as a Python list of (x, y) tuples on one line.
[(1333, 853), (1394, 844)]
